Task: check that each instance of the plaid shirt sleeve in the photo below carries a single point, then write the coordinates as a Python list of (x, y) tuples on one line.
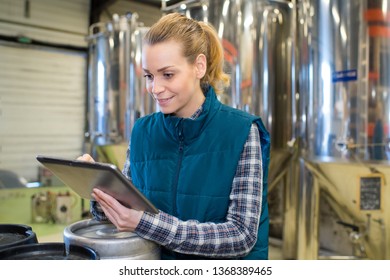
[(233, 238)]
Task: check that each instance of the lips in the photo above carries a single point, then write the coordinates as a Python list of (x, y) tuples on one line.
[(164, 101)]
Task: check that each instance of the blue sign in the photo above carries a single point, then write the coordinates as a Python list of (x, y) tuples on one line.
[(344, 76)]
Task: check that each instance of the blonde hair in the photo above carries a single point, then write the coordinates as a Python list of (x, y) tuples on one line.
[(196, 38)]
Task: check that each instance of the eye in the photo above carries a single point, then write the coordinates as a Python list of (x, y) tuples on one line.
[(148, 77), (168, 75)]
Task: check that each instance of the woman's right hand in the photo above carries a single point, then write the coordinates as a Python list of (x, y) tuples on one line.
[(86, 157)]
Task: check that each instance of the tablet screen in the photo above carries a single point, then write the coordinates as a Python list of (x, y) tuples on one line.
[(83, 176)]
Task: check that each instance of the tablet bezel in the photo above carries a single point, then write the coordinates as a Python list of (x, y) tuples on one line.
[(82, 177)]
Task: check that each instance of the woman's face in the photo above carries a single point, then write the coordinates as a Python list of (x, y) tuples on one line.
[(171, 80)]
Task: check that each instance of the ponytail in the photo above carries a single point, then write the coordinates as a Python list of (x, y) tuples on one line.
[(215, 76)]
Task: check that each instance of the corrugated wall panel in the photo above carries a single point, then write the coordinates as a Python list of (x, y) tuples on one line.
[(42, 105), (12, 9), (70, 15), (42, 19), (43, 35)]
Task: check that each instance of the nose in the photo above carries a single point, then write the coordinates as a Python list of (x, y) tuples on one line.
[(156, 87)]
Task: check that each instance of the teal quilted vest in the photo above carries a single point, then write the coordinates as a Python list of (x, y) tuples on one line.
[(186, 167)]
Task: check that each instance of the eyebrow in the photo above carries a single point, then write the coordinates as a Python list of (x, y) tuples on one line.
[(159, 70)]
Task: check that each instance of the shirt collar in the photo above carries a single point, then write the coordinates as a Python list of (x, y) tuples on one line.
[(197, 113)]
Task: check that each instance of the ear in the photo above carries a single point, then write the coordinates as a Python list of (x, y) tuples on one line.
[(200, 66)]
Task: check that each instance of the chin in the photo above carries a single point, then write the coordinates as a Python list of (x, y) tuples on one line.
[(166, 111)]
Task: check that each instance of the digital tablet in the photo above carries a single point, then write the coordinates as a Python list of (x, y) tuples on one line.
[(83, 177)]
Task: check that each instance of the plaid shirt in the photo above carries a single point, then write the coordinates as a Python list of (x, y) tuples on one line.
[(233, 238)]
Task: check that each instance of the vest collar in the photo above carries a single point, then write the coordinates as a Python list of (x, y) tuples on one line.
[(187, 129)]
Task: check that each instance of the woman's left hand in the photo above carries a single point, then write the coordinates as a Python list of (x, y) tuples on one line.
[(125, 219)]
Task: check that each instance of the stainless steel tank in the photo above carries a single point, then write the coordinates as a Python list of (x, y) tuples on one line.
[(109, 243), (115, 86), (258, 38), (344, 203)]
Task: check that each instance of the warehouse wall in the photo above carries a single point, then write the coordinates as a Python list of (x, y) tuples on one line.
[(43, 66), (43, 77)]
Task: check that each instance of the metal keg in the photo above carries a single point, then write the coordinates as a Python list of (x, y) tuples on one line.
[(109, 243)]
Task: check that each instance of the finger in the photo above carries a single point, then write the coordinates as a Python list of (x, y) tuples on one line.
[(86, 157), (123, 218), (108, 198), (103, 197), (110, 214), (111, 206), (107, 209)]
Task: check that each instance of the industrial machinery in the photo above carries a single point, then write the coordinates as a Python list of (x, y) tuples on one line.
[(116, 87), (344, 85)]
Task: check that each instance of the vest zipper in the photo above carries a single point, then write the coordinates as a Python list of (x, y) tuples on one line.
[(180, 159)]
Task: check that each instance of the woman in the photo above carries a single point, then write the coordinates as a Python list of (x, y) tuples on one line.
[(203, 164)]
